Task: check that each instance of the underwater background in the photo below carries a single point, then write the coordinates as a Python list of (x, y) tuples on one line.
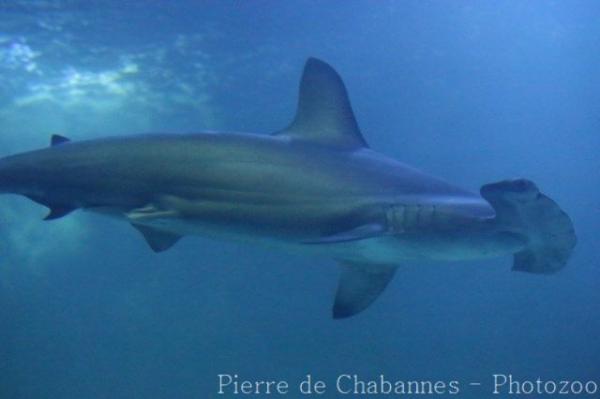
[(471, 91)]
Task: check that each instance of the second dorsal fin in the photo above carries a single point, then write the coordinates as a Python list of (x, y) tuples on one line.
[(57, 139), (324, 114)]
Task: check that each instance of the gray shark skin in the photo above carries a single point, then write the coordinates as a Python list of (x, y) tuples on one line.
[(314, 187)]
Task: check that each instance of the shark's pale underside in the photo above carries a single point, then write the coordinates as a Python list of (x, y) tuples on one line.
[(314, 187)]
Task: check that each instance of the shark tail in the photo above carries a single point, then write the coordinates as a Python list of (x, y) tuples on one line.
[(520, 207)]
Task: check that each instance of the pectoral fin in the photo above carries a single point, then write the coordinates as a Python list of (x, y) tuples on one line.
[(158, 240), (359, 233), (359, 285)]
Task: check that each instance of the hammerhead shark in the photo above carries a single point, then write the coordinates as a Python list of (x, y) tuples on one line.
[(314, 187)]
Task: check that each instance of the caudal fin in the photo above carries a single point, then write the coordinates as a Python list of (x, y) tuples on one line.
[(521, 207)]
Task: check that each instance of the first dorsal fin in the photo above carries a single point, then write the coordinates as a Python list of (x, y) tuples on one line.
[(58, 139), (324, 114)]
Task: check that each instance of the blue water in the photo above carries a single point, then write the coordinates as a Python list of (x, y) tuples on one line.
[(473, 92)]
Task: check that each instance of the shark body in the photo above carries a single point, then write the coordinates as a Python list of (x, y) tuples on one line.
[(314, 187)]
